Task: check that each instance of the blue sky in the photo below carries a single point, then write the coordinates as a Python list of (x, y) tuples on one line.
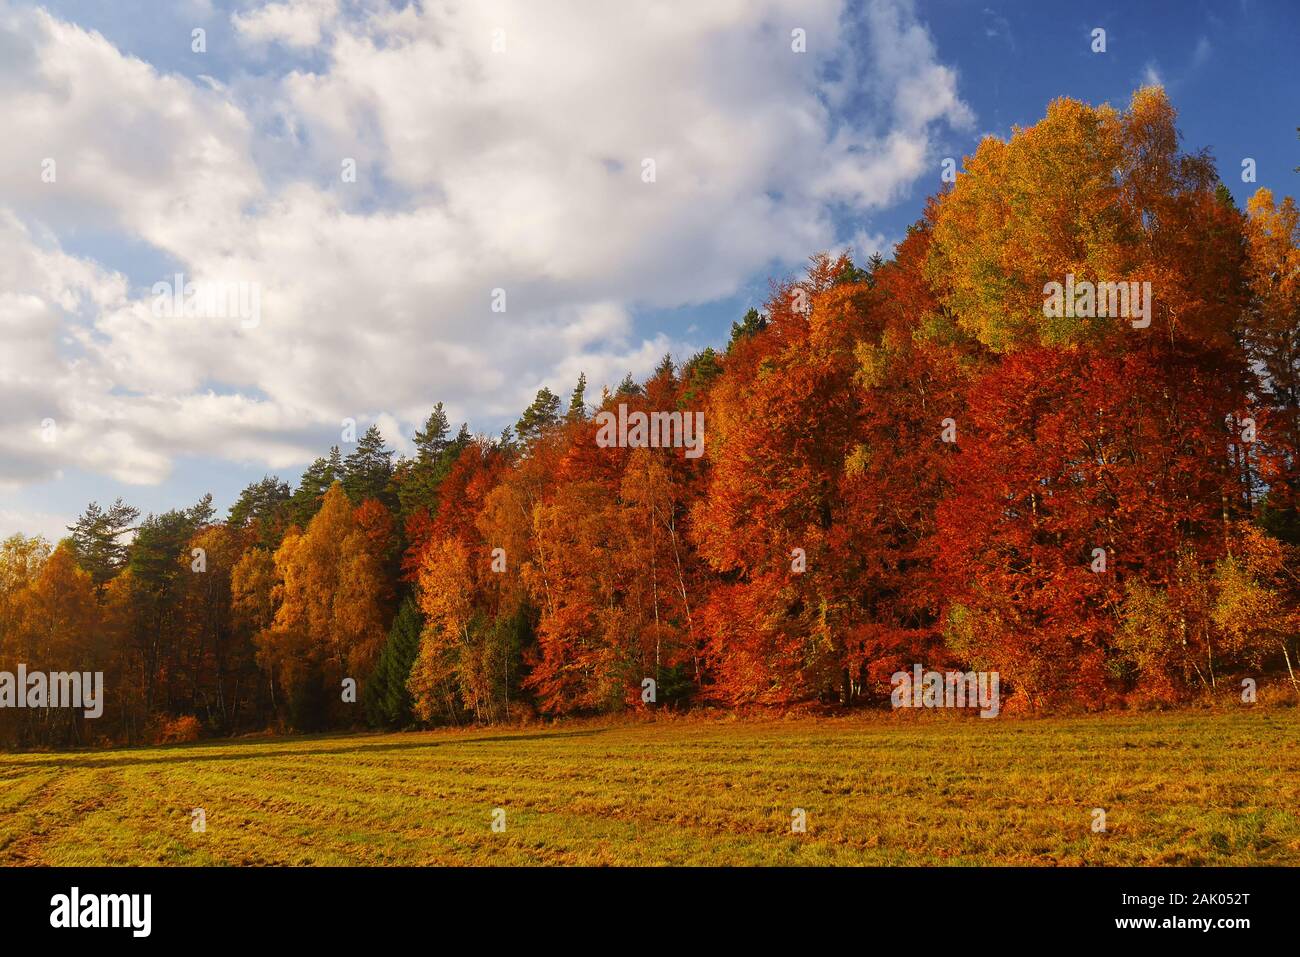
[(485, 168)]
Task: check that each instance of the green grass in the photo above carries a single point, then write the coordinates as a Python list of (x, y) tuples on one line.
[(1183, 788)]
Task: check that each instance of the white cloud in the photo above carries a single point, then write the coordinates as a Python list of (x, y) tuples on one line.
[(477, 170), (865, 244), (163, 160), (296, 23)]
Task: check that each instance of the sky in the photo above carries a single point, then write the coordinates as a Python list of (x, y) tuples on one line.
[(465, 202)]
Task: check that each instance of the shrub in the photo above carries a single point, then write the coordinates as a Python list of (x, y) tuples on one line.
[(178, 730)]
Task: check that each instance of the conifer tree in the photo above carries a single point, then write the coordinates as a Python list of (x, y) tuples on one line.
[(577, 401), (367, 471), (313, 485), (387, 700), (538, 418), (96, 539)]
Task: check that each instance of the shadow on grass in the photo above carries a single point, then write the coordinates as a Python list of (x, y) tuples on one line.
[(177, 753)]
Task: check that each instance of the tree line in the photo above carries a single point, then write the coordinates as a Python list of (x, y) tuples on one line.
[(907, 461)]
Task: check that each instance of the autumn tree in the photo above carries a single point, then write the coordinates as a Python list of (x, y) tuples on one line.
[(1095, 449), (781, 423), (1272, 336), (217, 656), (330, 621), (254, 599), (474, 622), (56, 626)]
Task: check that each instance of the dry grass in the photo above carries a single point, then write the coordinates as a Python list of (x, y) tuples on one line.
[(1183, 788)]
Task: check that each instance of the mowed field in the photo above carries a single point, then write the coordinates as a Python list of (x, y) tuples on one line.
[(1182, 788)]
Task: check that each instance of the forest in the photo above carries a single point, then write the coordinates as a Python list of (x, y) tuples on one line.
[(905, 461)]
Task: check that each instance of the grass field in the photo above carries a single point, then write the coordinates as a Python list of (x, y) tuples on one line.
[(1184, 788)]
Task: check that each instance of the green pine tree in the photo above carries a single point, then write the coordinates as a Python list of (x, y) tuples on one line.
[(578, 400), (315, 482), (628, 387), (369, 469), (160, 541), (263, 505), (431, 441), (699, 371), (538, 418), (751, 325), (852, 274), (418, 480), (386, 700), (96, 539)]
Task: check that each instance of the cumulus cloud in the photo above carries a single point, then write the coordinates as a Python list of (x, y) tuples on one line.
[(295, 23), (496, 147), (95, 140)]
